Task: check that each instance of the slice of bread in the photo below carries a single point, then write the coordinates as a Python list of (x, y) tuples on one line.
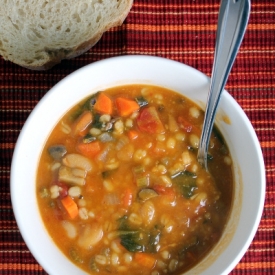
[(37, 34)]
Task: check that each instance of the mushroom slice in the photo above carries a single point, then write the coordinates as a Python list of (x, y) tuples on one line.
[(57, 152), (77, 161)]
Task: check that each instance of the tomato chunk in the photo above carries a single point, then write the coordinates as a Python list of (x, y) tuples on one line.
[(149, 121)]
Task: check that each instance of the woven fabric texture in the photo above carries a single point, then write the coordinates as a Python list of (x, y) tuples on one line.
[(180, 30)]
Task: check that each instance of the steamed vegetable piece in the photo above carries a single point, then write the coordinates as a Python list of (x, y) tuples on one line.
[(70, 207), (120, 189), (103, 104), (149, 121), (126, 106)]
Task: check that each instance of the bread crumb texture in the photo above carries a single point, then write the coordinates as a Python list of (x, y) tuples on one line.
[(38, 34)]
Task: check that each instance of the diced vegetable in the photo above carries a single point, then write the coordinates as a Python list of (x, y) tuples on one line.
[(146, 194), (70, 206), (132, 134), (104, 104), (141, 101), (89, 150), (149, 121), (187, 126), (126, 107), (145, 259), (127, 198), (57, 151)]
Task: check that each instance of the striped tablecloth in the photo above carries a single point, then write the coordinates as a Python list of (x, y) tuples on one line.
[(179, 30)]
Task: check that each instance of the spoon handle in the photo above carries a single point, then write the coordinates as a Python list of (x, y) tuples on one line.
[(232, 22)]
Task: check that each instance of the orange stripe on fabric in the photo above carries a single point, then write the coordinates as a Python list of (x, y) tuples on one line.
[(256, 265), (4, 266), (267, 144), (190, 6), (178, 28)]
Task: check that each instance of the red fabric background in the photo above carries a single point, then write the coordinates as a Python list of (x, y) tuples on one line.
[(179, 30)]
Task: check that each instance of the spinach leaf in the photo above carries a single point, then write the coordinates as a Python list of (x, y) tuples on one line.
[(97, 123), (140, 239), (186, 182)]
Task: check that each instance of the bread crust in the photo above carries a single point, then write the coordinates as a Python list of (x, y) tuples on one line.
[(55, 56)]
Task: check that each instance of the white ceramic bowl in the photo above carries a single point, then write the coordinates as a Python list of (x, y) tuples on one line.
[(239, 134)]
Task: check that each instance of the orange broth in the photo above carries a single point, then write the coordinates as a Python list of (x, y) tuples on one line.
[(122, 192)]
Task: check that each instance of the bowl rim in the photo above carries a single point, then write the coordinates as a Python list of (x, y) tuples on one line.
[(129, 59)]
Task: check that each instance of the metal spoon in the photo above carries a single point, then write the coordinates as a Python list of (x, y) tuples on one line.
[(232, 22)]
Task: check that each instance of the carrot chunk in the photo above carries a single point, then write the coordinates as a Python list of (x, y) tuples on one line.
[(145, 259), (104, 104), (125, 106), (70, 206), (89, 149), (127, 198), (132, 134), (83, 122)]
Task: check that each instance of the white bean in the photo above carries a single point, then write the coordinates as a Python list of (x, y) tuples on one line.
[(127, 258), (173, 265), (81, 203), (65, 128), (194, 112), (129, 123), (83, 213), (180, 136), (119, 127), (194, 140), (108, 185), (114, 259), (54, 191), (70, 229), (74, 191), (135, 219), (139, 154), (77, 161), (166, 180), (101, 259), (95, 132), (165, 254), (105, 118), (171, 143), (115, 247), (186, 158), (90, 236), (148, 212)]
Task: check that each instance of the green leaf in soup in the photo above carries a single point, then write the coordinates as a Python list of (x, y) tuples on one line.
[(138, 240), (186, 182)]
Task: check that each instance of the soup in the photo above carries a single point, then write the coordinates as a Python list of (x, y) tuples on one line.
[(120, 189)]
